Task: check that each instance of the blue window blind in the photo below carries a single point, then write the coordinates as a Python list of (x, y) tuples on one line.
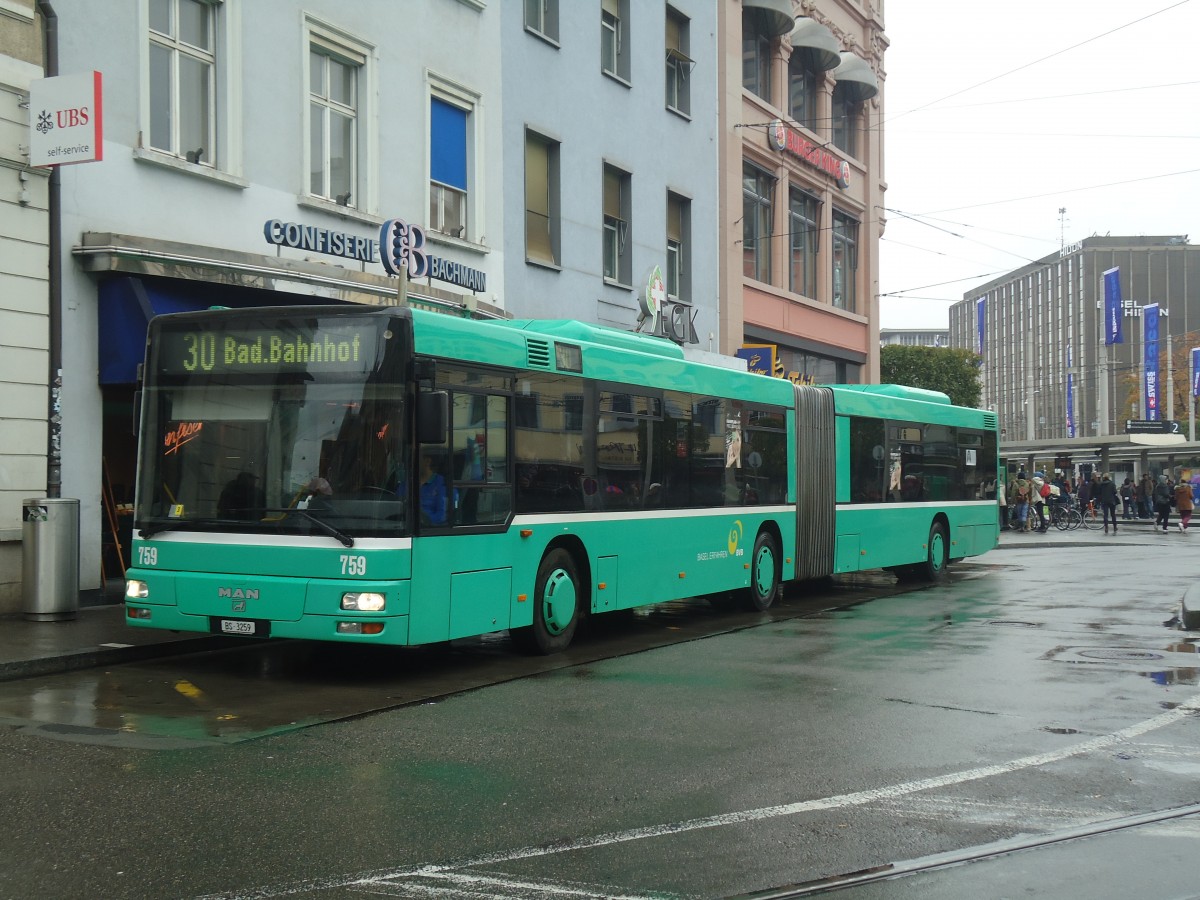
[(448, 144)]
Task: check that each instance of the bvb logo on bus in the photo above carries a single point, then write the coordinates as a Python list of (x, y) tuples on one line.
[(735, 537)]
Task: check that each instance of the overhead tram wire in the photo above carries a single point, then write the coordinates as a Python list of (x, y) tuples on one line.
[(963, 237), (1062, 134), (1024, 237), (1071, 96), (938, 284), (1039, 60), (1055, 193)]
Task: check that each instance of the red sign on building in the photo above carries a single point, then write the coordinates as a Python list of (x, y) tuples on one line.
[(789, 140)]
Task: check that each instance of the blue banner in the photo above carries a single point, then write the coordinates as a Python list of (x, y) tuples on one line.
[(979, 323), (1150, 359), (1196, 371), (1112, 307), (1070, 396)]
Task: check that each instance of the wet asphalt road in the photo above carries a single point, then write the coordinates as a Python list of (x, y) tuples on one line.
[(691, 753)]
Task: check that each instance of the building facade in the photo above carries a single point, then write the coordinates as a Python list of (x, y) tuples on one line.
[(611, 162), (914, 337), (563, 160), (252, 153), (1047, 371), (801, 112), (24, 298)]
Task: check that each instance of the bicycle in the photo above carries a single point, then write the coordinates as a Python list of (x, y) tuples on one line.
[(1015, 524), (1091, 515), (1031, 523), (1065, 516)]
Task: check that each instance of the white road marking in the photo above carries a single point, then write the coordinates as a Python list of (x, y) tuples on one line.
[(841, 801), (460, 884)]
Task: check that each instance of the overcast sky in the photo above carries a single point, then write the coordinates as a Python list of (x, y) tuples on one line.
[(999, 115)]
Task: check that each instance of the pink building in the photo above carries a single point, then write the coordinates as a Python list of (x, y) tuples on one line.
[(801, 113)]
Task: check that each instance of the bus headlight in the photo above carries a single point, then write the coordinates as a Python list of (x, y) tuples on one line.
[(364, 602), (137, 590)]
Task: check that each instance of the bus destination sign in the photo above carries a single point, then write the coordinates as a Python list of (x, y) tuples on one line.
[(329, 347)]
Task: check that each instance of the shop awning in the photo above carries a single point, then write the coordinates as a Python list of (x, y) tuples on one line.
[(855, 76), (776, 16), (126, 304), (822, 46)]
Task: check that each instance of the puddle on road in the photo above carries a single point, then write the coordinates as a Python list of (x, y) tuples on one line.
[(1181, 674), (1178, 660)]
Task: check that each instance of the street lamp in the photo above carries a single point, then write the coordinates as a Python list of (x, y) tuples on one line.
[(1029, 411)]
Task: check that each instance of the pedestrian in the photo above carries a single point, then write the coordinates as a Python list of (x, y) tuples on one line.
[(1127, 498), (1082, 493), (1002, 498), (1163, 495), (1183, 503), (1041, 490), (1145, 496), (1107, 498), (1018, 499)]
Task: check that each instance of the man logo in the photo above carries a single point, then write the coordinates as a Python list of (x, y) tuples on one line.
[(238, 593), (239, 605)]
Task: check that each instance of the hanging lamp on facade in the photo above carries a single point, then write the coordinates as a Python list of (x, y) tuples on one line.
[(855, 76), (818, 42), (776, 17)]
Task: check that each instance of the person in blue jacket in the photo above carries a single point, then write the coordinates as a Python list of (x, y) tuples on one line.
[(433, 493)]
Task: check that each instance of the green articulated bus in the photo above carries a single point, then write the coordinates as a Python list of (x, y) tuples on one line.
[(395, 476)]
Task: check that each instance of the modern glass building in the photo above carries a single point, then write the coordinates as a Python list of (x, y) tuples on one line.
[(1048, 372)]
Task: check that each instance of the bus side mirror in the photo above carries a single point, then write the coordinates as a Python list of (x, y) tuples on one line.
[(137, 413), (433, 417)]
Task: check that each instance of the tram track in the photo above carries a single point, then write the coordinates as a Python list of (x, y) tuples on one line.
[(950, 859)]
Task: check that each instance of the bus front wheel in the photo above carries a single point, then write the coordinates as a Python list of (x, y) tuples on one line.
[(937, 557), (557, 604), (764, 573)]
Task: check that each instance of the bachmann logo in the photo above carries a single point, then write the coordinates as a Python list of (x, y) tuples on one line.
[(238, 593)]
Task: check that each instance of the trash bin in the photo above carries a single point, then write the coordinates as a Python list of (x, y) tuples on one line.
[(50, 559)]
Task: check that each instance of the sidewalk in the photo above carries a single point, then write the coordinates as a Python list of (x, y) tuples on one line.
[(97, 636), (1140, 531)]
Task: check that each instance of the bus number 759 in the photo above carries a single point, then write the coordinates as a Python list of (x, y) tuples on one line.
[(354, 565)]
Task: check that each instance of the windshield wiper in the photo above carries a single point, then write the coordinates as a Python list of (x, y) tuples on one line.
[(148, 531), (347, 540)]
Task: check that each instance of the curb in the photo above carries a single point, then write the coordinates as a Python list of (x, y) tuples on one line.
[(1189, 612), (91, 657)]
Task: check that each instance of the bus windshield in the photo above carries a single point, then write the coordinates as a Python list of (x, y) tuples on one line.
[(283, 426)]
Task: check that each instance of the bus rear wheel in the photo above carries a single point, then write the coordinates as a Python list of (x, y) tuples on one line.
[(557, 605), (937, 557), (764, 573)]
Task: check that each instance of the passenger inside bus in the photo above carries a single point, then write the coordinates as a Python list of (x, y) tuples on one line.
[(241, 498), (433, 493)]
